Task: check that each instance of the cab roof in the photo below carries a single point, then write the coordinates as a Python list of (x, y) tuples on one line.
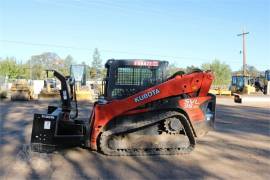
[(136, 62)]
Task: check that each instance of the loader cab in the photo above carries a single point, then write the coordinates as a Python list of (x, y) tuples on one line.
[(242, 84), (127, 77), (239, 81), (50, 83)]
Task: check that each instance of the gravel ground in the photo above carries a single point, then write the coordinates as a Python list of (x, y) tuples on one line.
[(238, 148)]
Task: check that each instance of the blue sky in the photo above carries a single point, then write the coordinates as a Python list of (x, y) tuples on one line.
[(184, 32)]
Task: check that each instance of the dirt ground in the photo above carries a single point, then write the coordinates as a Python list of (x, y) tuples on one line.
[(239, 148)]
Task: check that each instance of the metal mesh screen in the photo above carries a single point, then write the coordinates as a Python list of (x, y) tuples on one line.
[(130, 80), (133, 76)]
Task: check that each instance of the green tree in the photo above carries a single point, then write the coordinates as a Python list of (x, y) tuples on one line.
[(35, 67), (221, 71), (65, 68), (69, 60), (9, 67), (92, 73), (96, 68), (47, 60), (87, 71), (172, 69), (252, 71), (25, 70), (191, 68)]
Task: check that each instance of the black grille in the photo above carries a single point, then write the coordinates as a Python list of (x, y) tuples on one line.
[(130, 80), (134, 76)]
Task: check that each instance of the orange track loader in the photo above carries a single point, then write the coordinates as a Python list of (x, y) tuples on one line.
[(141, 112)]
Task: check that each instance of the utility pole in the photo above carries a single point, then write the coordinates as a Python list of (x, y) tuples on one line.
[(244, 51)]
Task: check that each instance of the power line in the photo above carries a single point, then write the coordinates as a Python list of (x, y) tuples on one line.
[(104, 50), (122, 52)]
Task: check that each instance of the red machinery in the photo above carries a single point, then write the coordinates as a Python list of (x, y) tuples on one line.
[(141, 112)]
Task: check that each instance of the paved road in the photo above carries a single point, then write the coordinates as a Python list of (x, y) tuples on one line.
[(239, 148)]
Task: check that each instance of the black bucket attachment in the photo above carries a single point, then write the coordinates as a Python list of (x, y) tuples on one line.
[(57, 128), (51, 131)]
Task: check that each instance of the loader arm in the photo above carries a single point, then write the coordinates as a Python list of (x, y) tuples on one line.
[(195, 85)]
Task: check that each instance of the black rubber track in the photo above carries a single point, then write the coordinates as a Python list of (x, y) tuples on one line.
[(156, 118)]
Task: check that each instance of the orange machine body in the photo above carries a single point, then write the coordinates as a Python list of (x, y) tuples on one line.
[(195, 85)]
